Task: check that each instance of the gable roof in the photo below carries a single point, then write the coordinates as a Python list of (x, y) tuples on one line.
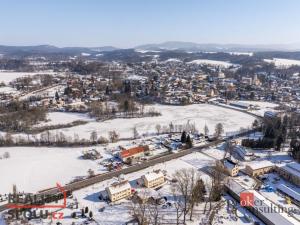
[(132, 151)]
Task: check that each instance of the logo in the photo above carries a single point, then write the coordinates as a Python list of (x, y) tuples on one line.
[(29, 201), (247, 199), (27, 205)]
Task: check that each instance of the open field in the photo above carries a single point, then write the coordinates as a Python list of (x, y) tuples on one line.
[(198, 114), (283, 62), (8, 76), (212, 62)]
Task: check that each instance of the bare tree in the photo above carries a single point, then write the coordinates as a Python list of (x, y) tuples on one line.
[(206, 130), (177, 203), (135, 133), (94, 136), (158, 128), (113, 136), (186, 182), (197, 196), (138, 211), (154, 213), (91, 173), (215, 188), (219, 130)]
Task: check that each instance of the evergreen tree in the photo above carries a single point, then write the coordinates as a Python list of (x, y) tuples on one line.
[(183, 137), (189, 143), (107, 90), (279, 141), (206, 130), (56, 96)]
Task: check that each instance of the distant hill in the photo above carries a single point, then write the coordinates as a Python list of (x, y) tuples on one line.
[(185, 51), (49, 49), (195, 47)]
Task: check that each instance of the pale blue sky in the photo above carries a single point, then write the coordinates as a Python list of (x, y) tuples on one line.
[(126, 23)]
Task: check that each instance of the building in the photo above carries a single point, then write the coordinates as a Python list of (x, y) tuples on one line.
[(230, 167), (270, 114), (129, 155), (118, 190), (292, 194), (262, 207), (290, 172), (244, 153), (257, 168), (242, 105), (247, 80), (153, 179)]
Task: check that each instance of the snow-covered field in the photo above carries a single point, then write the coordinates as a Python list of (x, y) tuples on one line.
[(33, 169), (118, 213), (63, 163), (173, 60), (8, 90), (212, 62), (241, 53), (283, 62), (264, 106), (55, 118), (198, 114), (8, 76)]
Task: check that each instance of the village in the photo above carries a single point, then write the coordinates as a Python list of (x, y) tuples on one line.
[(126, 140)]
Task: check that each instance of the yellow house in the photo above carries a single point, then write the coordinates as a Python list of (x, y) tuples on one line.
[(230, 167), (153, 179), (119, 191), (290, 172), (257, 168)]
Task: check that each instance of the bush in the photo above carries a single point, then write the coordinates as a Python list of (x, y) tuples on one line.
[(6, 155)]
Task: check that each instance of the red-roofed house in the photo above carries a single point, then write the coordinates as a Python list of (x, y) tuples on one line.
[(127, 155)]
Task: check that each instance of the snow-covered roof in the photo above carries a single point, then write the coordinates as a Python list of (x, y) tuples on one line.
[(267, 209), (242, 104), (290, 192), (229, 164), (255, 165), (293, 168), (153, 175), (118, 187), (263, 206)]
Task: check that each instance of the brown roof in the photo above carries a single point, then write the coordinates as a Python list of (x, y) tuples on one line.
[(132, 151)]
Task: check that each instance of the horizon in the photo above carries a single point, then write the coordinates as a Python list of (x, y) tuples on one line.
[(164, 42), (126, 24)]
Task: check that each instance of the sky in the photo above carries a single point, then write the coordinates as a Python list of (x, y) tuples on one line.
[(128, 23)]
